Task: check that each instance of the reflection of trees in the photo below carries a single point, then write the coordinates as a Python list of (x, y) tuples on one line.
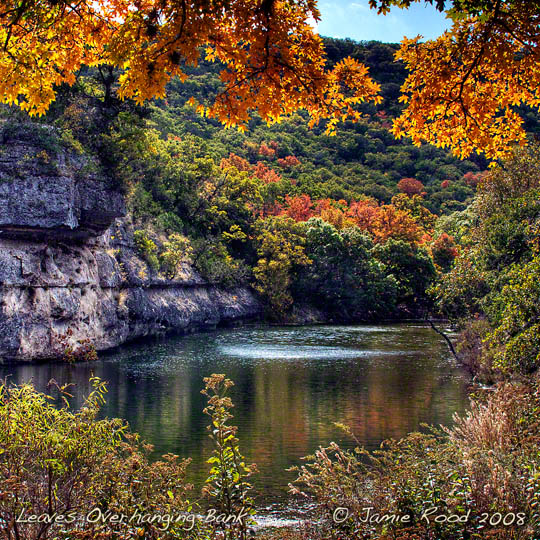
[(284, 409)]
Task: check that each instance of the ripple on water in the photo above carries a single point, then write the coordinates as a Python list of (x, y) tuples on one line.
[(288, 352)]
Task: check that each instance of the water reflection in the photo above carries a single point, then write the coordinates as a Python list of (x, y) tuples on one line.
[(291, 385)]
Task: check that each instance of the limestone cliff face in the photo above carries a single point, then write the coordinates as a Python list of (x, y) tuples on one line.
[(68, 263)]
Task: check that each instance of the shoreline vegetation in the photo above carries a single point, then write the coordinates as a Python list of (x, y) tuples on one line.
[(476, 479)]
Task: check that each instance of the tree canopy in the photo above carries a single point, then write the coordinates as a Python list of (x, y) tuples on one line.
[(272, 60), (463, 90)]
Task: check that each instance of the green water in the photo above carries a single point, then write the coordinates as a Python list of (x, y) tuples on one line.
[(292, 383)]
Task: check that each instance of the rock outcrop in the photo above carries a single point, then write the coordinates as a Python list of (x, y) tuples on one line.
[(68, 266)]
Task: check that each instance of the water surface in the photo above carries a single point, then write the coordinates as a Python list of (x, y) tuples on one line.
[(291, 384)]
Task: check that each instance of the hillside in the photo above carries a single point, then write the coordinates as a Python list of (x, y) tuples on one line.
[(362, 159), (340, 228)]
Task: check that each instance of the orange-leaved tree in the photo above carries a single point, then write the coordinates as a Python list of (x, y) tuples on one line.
[(273, 61), (462, 91), (464, 88)]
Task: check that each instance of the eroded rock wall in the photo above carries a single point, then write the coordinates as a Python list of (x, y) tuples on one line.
[(69, 268)]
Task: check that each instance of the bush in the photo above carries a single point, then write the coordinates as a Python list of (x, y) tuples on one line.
[(147, 249), (484, 471), (514, 343), (176, 250), (217, 266), (54, 460)]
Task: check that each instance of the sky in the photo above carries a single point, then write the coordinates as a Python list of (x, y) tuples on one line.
[(354, 19)]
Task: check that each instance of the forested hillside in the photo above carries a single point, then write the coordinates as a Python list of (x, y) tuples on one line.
[(307, 219), (362, 159)]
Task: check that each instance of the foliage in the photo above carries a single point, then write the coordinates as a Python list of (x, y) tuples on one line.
[(461, 290), (457, 91), (227, 484), (514, 342), (185, 176), (344, 278), (412, 268), (492, 277), (415, 206), (272, 60), (483, 470), (410, 186), (82, 471), (458, 225), (361, 159), (176, 250), (280, 248), (73, 464), (405, 218), (147, 248), (444, 251), (472, 351), (217, 266)]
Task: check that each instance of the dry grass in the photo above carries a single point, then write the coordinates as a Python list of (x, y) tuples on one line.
[(489, 462)]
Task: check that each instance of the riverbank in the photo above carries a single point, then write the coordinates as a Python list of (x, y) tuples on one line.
[(292, 384)]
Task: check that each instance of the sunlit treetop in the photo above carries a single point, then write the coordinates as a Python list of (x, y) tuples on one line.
[(273, 61), (463, 89)]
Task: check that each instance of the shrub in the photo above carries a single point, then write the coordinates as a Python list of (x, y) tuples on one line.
[(175, 251), (217, 266), (484, 471), (54, 460), (147, 249), (514, 311), (170, 222)]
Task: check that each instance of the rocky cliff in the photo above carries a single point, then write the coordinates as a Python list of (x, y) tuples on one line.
[(69, 270)]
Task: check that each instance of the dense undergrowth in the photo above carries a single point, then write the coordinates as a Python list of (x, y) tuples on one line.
[(492, 289), (86, 478)]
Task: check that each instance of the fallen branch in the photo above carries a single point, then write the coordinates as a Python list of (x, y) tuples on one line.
[(446, 338)]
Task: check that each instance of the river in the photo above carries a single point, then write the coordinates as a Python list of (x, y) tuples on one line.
[(291, 384)]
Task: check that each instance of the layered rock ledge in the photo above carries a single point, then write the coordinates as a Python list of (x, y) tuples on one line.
[(68, 265)]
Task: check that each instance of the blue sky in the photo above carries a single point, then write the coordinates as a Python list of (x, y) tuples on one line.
[(353, 19)]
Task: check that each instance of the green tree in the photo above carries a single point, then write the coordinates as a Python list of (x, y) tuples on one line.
[(514, 343), (413, 269), (280, 247), (344, 279)]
